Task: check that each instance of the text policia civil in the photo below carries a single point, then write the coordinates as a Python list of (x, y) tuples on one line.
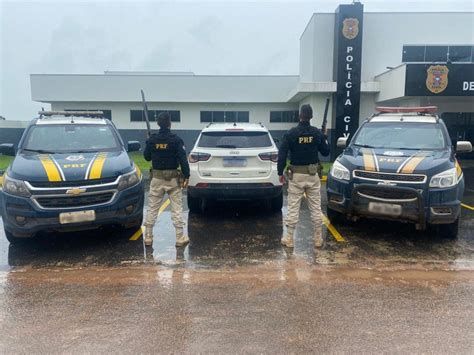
[(347, 71)]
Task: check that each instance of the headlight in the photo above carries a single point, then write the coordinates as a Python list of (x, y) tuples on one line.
[(339, 171), (15, 187), (445, 179), (128, 180)]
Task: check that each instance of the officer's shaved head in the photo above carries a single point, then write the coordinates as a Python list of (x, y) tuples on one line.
[(306, 112), (164, 120)]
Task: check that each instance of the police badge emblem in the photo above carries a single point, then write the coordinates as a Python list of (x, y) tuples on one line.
[(350, 28), (437, 78)]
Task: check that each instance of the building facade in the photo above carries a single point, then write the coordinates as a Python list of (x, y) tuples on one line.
[(356, 58)]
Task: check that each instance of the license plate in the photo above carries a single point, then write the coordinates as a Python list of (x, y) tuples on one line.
[(388, 209), (235, 162), (77, 217)]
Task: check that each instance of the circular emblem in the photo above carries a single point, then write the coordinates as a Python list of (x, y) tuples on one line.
[(350, 28), (75, 158), (437, 78)]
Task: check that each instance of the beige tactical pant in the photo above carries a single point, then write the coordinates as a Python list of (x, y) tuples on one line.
[(300, 184), (158, 188)]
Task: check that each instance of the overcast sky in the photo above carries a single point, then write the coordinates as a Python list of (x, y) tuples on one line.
[(220, 37)]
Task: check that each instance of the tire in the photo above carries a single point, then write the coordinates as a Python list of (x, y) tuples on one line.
[(14, 240), (334, 217), (449, 231), (276, 203), (194, 204)]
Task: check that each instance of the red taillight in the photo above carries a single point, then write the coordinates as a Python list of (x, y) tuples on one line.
[(273, 156), (197, 157), (202, 185)]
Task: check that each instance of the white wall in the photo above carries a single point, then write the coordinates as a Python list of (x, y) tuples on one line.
[(190, 112), (384, 37), (316, 49)]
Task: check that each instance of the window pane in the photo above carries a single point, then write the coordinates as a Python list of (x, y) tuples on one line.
[(136, 115), (275, 116), (436, 54), (232, 140), (175, 116), (230, 116), (286, 116), (460, 53), (413, 54), (296, 116), (218, 116), (243, 116), (206, 116)]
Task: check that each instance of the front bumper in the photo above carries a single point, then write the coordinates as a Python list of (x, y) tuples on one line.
[(419, 204), (252, 191), (41, 220)]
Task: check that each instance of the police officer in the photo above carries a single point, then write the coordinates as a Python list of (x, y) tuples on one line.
[(166, 152), (303, 143)]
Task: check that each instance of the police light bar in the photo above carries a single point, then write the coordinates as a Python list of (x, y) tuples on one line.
[(417, 109), (72, 113)]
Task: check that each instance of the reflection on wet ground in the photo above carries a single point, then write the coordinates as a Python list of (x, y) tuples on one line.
[(232, 234)]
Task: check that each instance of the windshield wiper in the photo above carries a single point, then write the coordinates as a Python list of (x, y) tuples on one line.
[(40, 151), (226, 146), (364, 145)]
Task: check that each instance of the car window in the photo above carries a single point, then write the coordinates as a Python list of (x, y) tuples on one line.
[(70, 138), (401, 136), (229, 139)]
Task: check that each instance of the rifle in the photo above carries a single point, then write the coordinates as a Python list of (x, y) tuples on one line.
[(145, 111), (324, 131)]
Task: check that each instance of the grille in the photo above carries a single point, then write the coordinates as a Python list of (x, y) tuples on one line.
[(74, 201), (389, 194), (390, 177), (92, 182)]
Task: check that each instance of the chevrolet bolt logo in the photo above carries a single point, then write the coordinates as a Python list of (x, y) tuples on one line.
[(75, 192)]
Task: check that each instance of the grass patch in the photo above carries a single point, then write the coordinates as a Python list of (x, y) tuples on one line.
[(5, 162), (140, 161)]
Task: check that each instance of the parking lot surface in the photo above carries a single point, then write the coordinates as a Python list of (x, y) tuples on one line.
[(374, 287)]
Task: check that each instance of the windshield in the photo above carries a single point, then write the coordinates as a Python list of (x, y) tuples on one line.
[(229, 139), (71, 138), (401, 136)]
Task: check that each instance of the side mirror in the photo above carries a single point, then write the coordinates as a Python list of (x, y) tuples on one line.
[(341, 142), (463, 147), (7, 149), (133, 146)]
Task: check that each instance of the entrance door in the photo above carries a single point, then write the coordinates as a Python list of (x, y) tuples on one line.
[(461, 128)]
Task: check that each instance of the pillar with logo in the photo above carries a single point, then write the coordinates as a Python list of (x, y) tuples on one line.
[(347, 71)]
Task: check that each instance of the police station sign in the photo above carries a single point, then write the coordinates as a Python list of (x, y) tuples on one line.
[(347, 69), (439, 79)]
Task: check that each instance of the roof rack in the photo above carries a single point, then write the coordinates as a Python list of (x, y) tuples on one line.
[(95, 114), (417, 109)]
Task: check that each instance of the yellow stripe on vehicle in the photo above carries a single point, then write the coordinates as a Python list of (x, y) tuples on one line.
[(369, 163), (412, 164), (458, 169), (97, 166), (50, 168)]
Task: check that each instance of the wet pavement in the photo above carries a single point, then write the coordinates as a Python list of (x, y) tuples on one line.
[(385, 288)]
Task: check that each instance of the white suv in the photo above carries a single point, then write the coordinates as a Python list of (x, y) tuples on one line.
[(234, 161)]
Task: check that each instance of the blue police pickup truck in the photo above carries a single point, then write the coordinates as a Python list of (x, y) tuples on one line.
[(400, 165), (71, 172)]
